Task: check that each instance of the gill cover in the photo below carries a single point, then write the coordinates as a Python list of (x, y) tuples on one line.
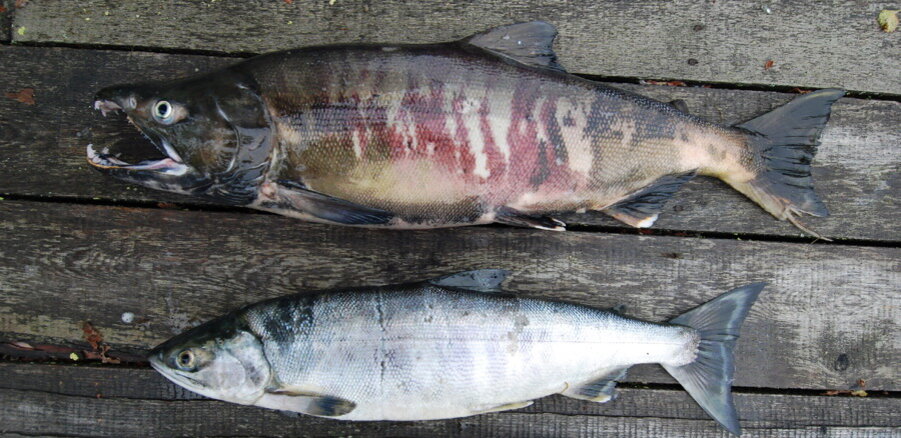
[(219, 359), (212, 129)]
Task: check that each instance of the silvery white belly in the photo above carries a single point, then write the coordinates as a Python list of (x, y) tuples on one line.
[(443, 354)]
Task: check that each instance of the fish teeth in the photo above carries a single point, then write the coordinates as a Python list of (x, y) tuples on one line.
[(102, 158), (106, 106)]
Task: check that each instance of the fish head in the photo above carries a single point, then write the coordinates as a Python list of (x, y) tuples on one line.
[(219, 359), (208, 136)]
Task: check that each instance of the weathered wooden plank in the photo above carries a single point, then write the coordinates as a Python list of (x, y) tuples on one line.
[(42, 145), (812, 43), (524, 425), (52, 414), (770, 410), (124, 402), (828, 319), (6, 14)]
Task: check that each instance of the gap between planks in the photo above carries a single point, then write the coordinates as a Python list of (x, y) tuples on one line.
[(177, 268), (812, 44), (64, 388), (571, 228)]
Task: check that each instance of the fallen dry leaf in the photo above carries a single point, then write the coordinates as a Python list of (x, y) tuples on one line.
[(96, 340), (25, 96), (21, 3), (2, 9), (888, 20), (166, 205), (289, 2), (800, 91), (92, 335), (768, 64)]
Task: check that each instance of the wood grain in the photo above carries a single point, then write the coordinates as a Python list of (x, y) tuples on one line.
[(829, 317), (56, 415), (42, 145), (97, 401), (811, 43), (6, 20), (774, 409)]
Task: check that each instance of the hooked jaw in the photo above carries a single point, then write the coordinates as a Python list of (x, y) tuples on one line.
[(162, 158), (104, 160)]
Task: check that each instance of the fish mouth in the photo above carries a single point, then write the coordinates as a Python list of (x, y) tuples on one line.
[(132, 154)]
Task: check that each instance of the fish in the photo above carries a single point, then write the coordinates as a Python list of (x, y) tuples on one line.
[(449, 347), (490, 128)]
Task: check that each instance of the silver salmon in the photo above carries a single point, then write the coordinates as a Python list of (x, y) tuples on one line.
[(487, 129), (449, 347)]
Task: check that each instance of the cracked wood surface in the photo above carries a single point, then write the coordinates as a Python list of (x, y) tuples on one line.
[(828, 321), (104, 401), (828, 318), (811, 43)]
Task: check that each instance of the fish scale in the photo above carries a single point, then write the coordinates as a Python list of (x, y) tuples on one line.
[(444, 348), (486, 129), (481, 350)]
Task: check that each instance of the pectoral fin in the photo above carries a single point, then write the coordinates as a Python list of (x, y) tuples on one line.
[(680, 105), (503, 407), (304, 402), (641, 208), (296, 197), (599, 390), (512, 216)]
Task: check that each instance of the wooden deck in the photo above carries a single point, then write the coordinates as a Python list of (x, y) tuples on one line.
[(79, 247)]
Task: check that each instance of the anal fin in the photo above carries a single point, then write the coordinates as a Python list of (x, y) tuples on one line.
[(640, 209), (512, 216), (599, 390), (503, 407)]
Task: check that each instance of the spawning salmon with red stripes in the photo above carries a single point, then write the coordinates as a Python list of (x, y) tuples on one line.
[(485, 129)]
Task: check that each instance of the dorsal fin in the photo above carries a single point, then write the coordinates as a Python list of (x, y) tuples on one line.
[(482, 280), (528, 43)]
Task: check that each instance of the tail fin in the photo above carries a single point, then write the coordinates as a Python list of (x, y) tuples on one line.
[(786, 140), (709, 378)]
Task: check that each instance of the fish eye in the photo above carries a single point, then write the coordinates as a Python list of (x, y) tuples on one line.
[(162, 111), (185, 360)]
